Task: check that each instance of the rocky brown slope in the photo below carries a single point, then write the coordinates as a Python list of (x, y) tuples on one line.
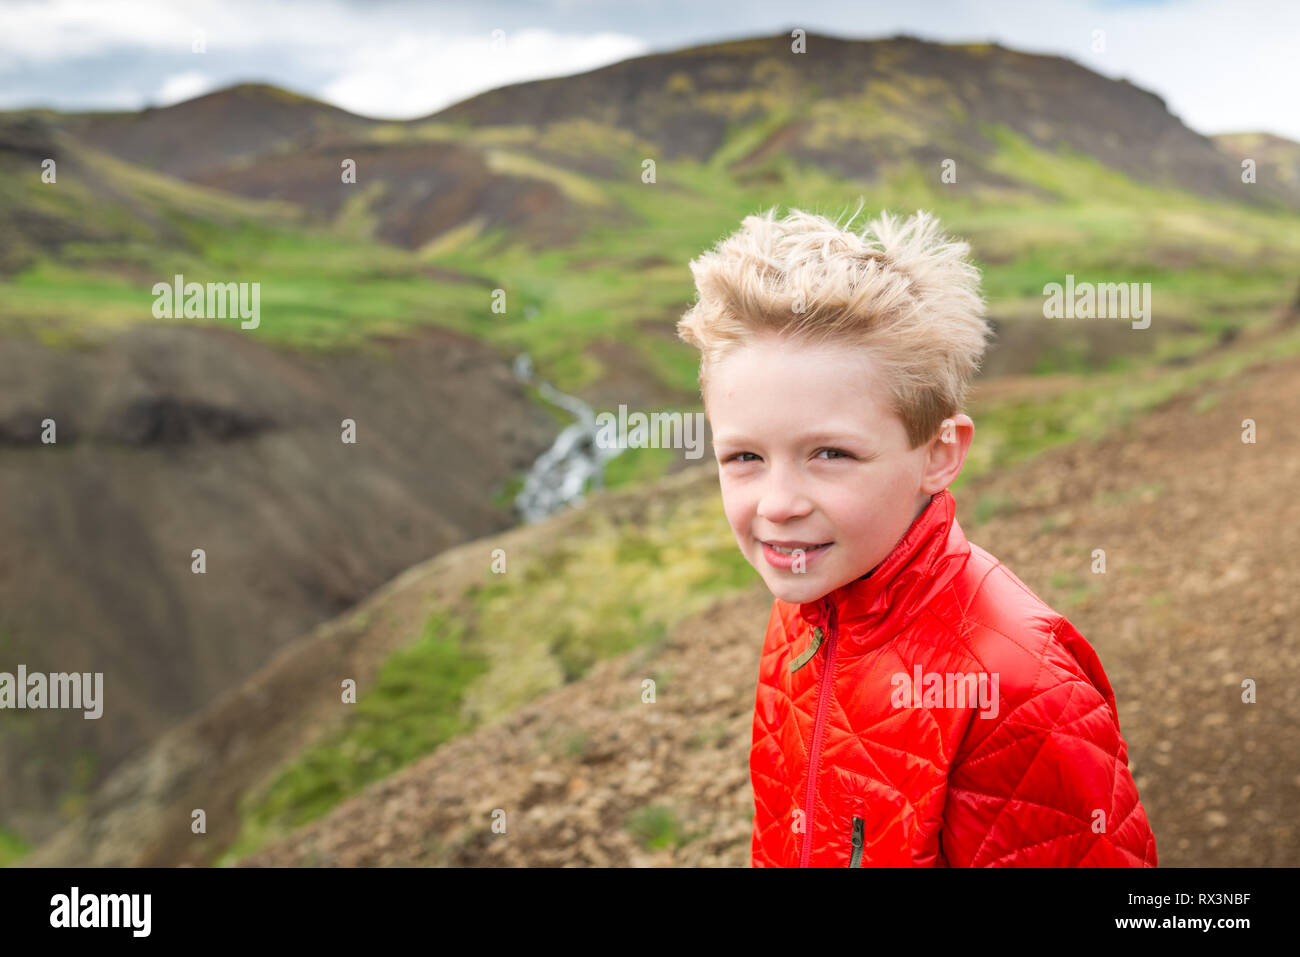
[(173, 438)]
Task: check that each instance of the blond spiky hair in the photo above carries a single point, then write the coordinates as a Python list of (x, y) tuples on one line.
[(902, 291)]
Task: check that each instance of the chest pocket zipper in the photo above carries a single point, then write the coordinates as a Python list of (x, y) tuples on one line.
[(808, 652), (859, 826)]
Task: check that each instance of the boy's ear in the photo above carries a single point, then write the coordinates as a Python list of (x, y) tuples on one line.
[(946, 453)]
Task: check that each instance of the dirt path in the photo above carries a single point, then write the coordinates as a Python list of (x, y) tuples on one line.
[(1201, 534)]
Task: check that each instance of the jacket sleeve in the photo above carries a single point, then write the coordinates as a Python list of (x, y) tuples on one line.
[(1046, 784)]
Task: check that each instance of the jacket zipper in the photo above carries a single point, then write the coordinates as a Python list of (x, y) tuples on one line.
[(814, 758), (858, 827)]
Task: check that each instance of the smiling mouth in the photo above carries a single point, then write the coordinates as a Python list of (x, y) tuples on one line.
[(790, 549)]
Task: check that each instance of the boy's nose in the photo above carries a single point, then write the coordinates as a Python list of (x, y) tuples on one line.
[(782, 500)]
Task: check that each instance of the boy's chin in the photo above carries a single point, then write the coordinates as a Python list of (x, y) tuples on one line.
[(795, 589)]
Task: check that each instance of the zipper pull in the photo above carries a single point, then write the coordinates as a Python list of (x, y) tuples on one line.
[(808, 653), (859, 827)]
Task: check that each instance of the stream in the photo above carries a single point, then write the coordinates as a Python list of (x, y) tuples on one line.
[(559, 477)]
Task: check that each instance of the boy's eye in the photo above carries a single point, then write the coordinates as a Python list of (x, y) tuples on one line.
[(836, 453)]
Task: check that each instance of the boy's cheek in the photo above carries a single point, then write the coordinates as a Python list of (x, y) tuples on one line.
[(745, 541), (742, 539), (737, 513)]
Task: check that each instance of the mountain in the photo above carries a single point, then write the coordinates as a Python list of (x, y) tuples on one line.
[(1277, 159), (530, 158), (218, 130), (859, 107), (263, 143)]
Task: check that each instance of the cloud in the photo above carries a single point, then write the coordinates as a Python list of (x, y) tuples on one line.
[(381, 59), (412, 75), (61, 30)]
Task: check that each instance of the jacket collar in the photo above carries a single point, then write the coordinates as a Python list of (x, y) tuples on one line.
[(870, 610)]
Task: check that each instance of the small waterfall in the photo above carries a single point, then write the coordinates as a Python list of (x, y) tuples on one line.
[(559, 477)]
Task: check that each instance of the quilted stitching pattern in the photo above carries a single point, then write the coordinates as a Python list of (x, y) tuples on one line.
[(1042, 781)]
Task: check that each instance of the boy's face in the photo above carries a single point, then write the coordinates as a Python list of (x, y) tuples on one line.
[(810, 454)]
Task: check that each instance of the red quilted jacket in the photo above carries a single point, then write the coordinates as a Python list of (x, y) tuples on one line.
[(936, 713)]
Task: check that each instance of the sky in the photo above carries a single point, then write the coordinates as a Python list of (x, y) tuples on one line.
[(1220, 66)]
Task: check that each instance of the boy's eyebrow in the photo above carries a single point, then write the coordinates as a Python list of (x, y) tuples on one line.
[(726, 439)]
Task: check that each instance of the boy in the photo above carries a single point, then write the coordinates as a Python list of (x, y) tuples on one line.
[(917, 704)]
